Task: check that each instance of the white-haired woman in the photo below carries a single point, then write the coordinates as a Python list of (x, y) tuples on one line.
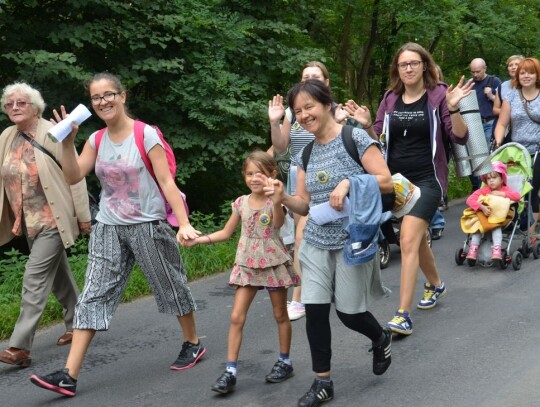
[(36, 202)]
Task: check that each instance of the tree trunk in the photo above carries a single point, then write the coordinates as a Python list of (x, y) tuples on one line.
[(345, 45), (365, 58)]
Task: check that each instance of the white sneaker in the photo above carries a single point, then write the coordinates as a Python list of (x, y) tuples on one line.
[(296, 310)]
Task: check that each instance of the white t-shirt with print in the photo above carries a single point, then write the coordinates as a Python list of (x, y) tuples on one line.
[(129, 193)]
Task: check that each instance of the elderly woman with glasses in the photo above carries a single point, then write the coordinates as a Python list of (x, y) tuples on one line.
[(36, 202)]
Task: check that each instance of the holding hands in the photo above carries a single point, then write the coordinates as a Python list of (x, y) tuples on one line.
[(273, 188), (187, 234)]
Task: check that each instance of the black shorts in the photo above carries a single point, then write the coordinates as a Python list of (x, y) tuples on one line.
[(429, 199)]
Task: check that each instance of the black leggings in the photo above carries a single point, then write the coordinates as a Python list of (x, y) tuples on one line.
[(320, 336), (535, 201)]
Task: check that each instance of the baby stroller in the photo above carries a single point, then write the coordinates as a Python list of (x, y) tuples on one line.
[(518, 164), (390, 231)]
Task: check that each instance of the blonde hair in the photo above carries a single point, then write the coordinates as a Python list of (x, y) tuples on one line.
[(511, 58)]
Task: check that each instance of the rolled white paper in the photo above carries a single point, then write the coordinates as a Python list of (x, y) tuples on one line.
[(60, 130), (324, 213)]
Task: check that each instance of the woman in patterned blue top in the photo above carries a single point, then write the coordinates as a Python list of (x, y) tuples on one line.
[(292, 133), (326, 276)]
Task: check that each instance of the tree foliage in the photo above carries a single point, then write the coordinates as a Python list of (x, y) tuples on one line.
[(203, 71)]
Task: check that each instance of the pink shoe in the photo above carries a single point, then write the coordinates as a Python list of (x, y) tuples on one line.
[(472, 254), (496, 252)]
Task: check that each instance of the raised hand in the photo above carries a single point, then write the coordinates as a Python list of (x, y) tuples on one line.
[(359, 113), (341, 114), (275, 109), (462, 89), (75, 127)]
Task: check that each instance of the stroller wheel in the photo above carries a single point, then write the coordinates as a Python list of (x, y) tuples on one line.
[(384, 253), (536, 250), (428, 237), (517, 259), (503, 263), (460, 256), (471, 262), (525, 248)]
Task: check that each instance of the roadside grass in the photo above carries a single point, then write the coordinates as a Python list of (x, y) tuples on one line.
[(458, 187), (199, 261)]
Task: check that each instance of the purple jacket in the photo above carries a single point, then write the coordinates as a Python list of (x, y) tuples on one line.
[(439, 110)]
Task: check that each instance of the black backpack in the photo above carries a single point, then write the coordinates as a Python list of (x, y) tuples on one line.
[(350, 146)]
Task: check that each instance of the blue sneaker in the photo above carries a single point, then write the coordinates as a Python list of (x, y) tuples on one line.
[(401, 323), (431, 295)]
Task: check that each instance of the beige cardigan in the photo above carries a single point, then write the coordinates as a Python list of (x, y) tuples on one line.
[(69, 204)]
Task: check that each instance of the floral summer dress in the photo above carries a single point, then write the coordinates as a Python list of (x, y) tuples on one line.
[(261, 258)]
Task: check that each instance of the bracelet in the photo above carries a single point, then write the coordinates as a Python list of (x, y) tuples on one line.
[(209, 240), (453, 111), (369, 127)]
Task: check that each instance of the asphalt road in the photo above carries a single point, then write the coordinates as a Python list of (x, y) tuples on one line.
[(479, 347)]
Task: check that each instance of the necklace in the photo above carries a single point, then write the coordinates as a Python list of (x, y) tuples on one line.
[(530, 100), (408, 109)]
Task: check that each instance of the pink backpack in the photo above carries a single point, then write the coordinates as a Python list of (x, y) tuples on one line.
[(138, 132)]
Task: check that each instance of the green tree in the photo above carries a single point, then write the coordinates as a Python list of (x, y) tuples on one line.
[(202, 71)]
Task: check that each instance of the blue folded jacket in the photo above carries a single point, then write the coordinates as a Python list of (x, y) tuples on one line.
[(364, 220)]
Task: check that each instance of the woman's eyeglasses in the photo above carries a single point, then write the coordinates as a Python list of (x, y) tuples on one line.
[(21, 104), (107, 97), (413, 64)]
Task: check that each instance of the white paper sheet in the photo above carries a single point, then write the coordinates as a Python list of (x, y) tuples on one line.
[(61, 129), (324, 213)]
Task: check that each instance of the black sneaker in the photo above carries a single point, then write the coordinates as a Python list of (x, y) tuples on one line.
[(225, 383), (189, 356), (320, 392), (280, 371), (60, 382), (382, 354), (436, 233)]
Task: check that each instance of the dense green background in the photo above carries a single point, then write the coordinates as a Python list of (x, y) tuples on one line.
[(203, 71)]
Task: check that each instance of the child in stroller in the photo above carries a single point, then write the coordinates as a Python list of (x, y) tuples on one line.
[(518, 165), (491, 205)]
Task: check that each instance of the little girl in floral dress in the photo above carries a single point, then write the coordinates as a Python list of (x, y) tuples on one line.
[(262, 261)]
